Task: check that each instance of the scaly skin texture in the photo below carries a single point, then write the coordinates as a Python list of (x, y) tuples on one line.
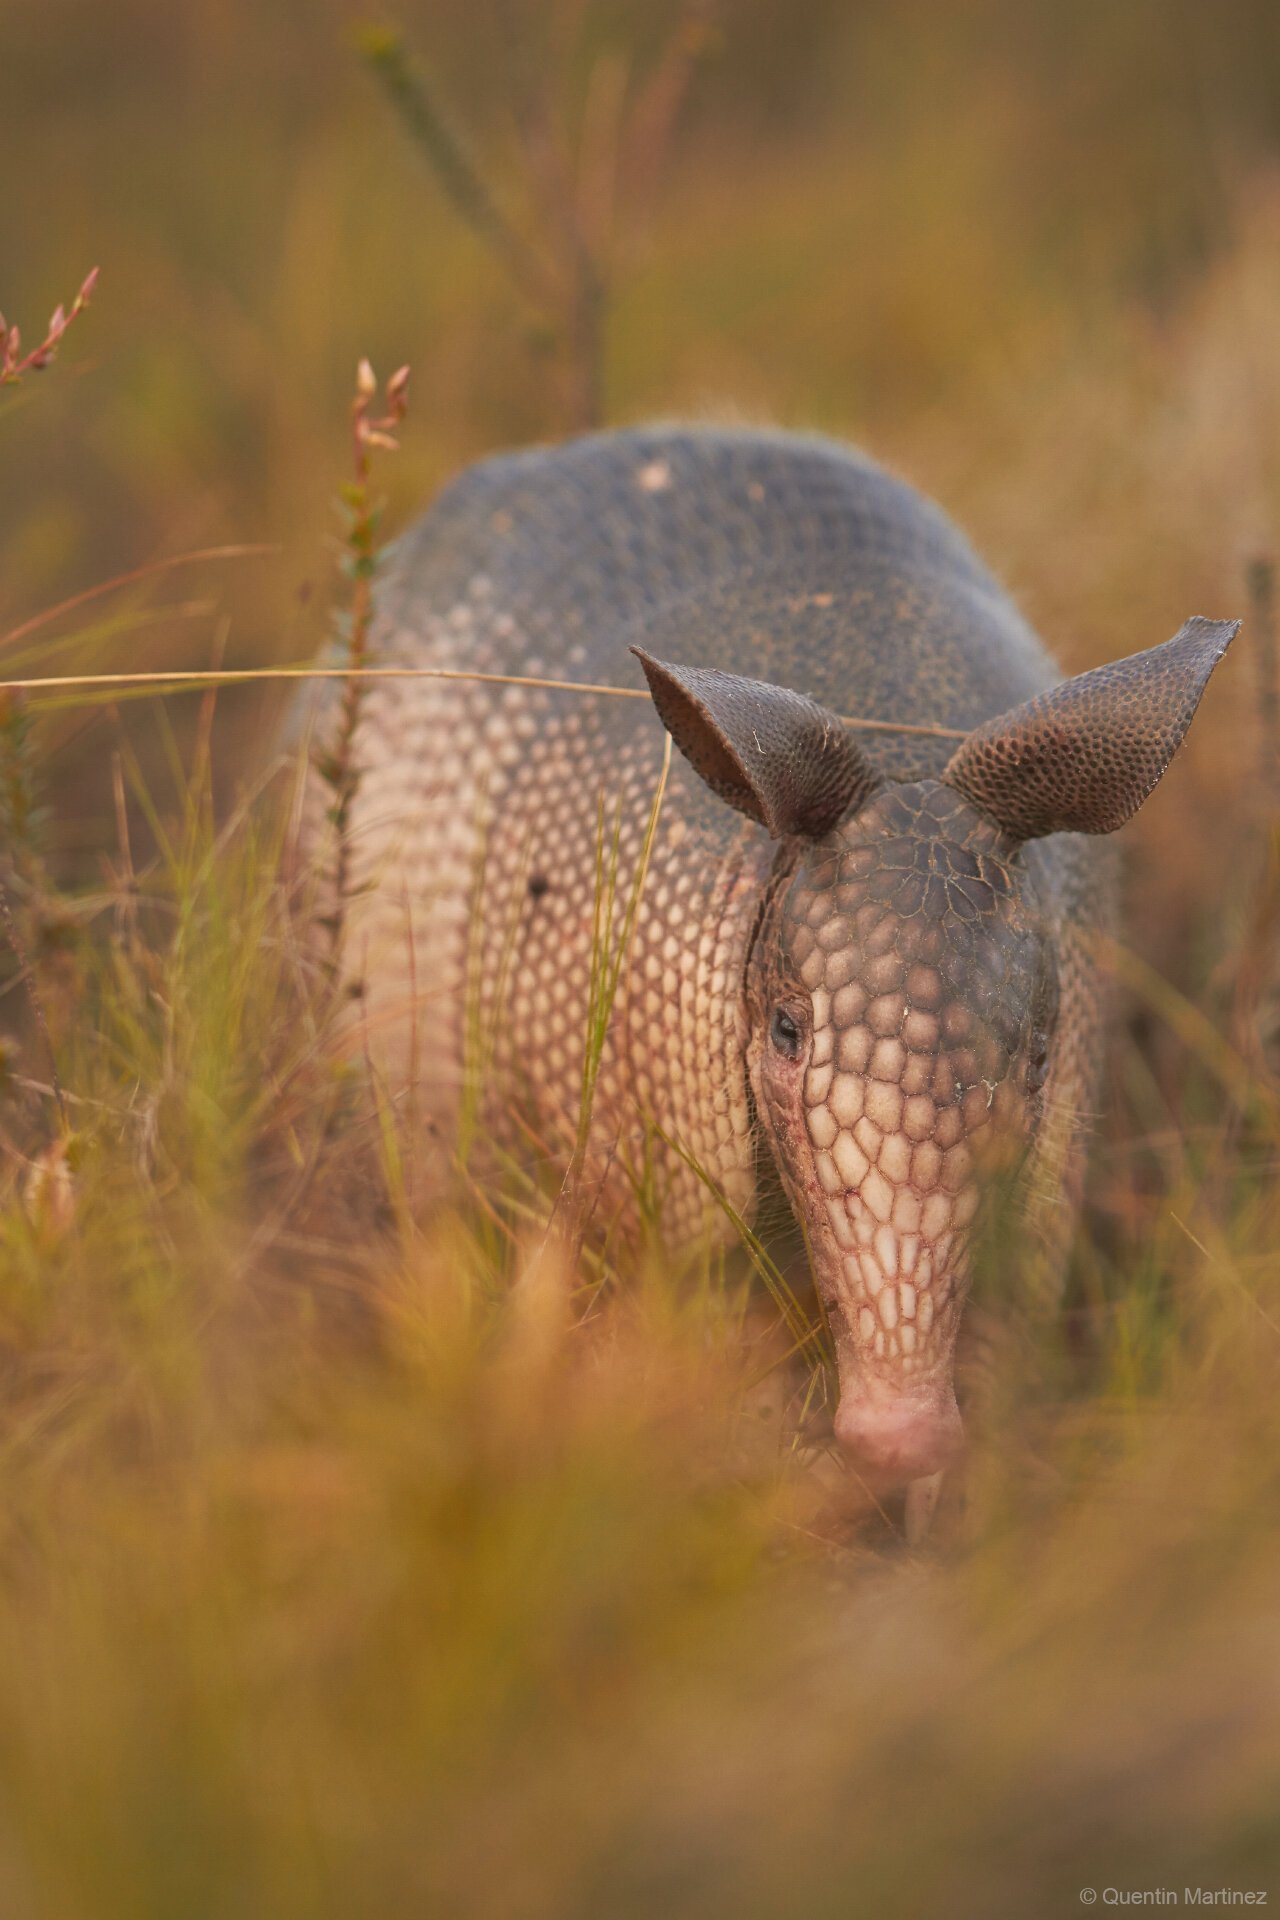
[(909, 950), (933, 972)]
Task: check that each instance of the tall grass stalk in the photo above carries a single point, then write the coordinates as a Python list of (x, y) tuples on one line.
[(22, 819), (594, 195), (336, 765)]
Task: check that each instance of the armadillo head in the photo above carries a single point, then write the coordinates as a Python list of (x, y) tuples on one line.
[(903, 994), (902, 990)]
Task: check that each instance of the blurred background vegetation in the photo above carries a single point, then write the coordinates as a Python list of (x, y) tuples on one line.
[(1025, 252), (1029, 254), (467, 1613)]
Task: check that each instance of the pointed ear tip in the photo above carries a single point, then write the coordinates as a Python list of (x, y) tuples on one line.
[(1217, 635), (656, 672)]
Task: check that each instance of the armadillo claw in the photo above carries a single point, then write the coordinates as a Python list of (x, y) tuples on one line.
[(918, 1511)]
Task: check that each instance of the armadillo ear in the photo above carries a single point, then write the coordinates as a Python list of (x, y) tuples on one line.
[(773, 754), (1083, 757)]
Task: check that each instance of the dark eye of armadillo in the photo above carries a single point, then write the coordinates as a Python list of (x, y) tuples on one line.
[(784, 1033), (1038, 1063)]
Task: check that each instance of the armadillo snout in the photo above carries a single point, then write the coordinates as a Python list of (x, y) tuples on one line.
[(898, 1435)]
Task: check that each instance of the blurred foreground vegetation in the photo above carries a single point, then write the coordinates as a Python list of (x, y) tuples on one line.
[(351, 1564)]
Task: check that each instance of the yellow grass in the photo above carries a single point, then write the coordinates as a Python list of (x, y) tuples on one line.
[(355, 1561)]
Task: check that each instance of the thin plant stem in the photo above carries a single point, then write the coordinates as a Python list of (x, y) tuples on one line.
[(14, 364), (96, 592), (337, 767), (159, 681), (447, 152), (37, 1006), (1260, 581)]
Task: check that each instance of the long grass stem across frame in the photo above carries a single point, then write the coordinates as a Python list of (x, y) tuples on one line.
[(160, 681)]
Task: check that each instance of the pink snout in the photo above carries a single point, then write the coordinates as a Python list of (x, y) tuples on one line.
[(902, 1436)]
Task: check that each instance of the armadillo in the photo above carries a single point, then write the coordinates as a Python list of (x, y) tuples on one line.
[(859, 902)]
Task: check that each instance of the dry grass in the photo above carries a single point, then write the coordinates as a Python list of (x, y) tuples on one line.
[(352, 1565), (356, 1563)]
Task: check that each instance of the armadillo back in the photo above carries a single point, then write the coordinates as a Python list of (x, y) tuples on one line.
[(484, 829)]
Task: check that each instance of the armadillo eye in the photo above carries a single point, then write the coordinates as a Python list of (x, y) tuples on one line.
[(784, 1033), (1038, 1064)]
